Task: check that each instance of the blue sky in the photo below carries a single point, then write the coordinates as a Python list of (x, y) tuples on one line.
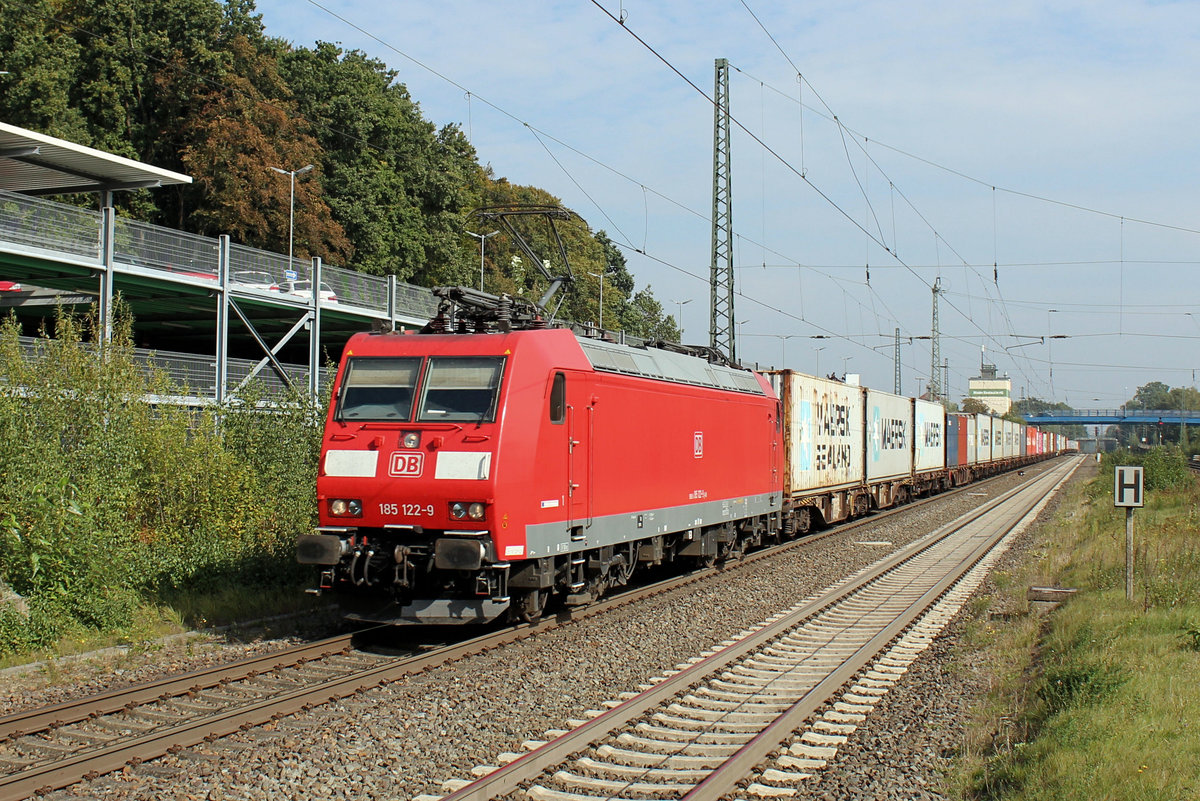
[(1054, 140)]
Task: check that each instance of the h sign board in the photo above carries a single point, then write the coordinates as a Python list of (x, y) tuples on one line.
[(1127, 487)]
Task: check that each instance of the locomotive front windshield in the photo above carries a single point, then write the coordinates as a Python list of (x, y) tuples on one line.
[(461, 389), (453, 389), (379, 389)]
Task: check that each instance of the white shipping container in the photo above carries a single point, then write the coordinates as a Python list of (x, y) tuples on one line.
[(824, 431), (1011, 447), (983, 438), (889, 435), (930, 436), (997, 438), (968, 422)]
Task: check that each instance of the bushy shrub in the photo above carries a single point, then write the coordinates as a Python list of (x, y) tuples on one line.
[(110, 502), (1164, 468)]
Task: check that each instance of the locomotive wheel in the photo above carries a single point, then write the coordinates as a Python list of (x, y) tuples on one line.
[(529, 607)]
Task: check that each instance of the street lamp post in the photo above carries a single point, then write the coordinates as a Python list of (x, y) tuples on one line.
[(1050, 352), (679, 318), (817, 361), (601, 276), (482, 239), (292, 206), (783, 338)]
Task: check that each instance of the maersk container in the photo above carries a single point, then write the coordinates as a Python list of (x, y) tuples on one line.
[(983, 438), (823, 431), (1012, 444), (997, 438), (889, 436), (929, 436)]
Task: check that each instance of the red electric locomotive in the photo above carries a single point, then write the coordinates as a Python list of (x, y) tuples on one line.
[(466, 476)]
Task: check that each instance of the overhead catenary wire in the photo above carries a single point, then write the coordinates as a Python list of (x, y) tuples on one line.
[(870, 300)]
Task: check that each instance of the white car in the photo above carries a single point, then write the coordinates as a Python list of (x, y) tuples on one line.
[(303, 289), (253, 279)]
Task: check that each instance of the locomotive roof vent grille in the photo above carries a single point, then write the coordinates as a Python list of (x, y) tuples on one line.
[(667, 366)]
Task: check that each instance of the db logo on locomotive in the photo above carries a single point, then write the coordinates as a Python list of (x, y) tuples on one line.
[(406, 463)]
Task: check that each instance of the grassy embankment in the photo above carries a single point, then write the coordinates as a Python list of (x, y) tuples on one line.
[(121, 519), (1100, 698)]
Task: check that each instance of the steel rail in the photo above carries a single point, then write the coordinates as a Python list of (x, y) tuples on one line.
[(95, 762), (738, 767), (27, 722), (20, 724), (510, 777)]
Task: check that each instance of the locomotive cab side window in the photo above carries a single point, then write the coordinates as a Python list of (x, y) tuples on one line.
[(378, 389), (558, 399), (461, 389)]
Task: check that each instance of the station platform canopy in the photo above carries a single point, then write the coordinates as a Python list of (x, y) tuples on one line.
[(35, 164)]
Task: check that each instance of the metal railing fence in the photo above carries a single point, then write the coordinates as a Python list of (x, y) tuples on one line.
[(193, 377), (37, 223), (58, 227)]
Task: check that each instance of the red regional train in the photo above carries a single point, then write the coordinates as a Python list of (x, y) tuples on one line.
[(470, 476)]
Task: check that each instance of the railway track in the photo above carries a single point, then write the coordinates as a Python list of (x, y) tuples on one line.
[(54, 747), (732, 723)]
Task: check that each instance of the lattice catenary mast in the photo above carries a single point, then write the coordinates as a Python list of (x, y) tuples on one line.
[(721, 323), (935, 362)]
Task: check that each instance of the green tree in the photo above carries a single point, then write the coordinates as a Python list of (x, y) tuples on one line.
[(1155, 395), (975, 406), (235, 138), (397, 185), (643, 316), (42, 64)]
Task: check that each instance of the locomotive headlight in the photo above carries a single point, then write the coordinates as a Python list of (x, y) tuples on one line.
[(464, 510), (344, 507), (410, 440)]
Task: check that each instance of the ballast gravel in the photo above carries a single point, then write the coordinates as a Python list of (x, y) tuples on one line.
[(406, 738)]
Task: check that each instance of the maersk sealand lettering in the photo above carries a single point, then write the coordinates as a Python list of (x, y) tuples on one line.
[(894, 435), (832, 457), (832, 446), (833, 419), (933, 435)]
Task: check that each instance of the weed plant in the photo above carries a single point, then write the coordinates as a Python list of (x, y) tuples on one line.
[(112, 506), (1099, 699)]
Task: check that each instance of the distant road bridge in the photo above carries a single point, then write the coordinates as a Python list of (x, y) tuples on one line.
[(1123, 416)]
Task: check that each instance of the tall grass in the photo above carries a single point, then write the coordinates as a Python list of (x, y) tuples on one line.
[(111, 504), (1101, 699)]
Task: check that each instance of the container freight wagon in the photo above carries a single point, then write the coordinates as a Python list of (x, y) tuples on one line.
[(889, 447), (1012, 440), (932, 447), (997, 438), (982, 424), (960, 448), (824, 447)]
